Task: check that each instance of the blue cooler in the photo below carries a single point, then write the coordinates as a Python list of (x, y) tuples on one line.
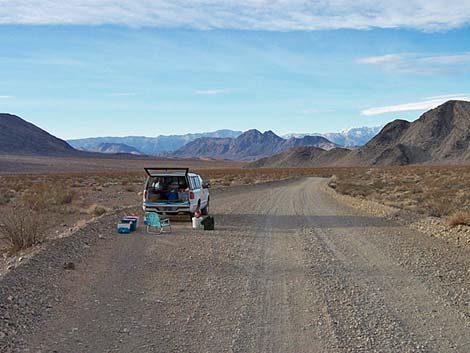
[(124, 228), (132, 221)]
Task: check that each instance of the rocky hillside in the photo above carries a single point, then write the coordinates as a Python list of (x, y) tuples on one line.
[(304, 157), (250, 145), (441, 135), (18, 136)]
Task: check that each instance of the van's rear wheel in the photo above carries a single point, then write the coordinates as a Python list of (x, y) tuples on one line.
[(205, 210)]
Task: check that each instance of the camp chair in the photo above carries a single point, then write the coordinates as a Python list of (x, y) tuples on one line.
[(152, 219)]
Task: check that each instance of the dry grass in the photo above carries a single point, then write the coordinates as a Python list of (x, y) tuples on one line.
[(6, 196), (22, 228), (67, 200), (96, 210), (459, 218), (429, 190)]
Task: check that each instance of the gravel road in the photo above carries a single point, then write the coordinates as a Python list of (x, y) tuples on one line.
[(288, 269)]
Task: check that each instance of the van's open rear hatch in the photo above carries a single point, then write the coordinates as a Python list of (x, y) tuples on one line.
[(167, 190), (153, 172)]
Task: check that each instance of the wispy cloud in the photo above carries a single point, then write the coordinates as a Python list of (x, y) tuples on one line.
[(211, 92), (279, 15), (7, 97), (421, 63), (381, 60), (429, 103)]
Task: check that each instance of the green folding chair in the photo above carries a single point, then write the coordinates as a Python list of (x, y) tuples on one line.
[(156, 225)]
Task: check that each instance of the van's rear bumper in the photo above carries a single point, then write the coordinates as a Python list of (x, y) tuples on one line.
[(167, 208)]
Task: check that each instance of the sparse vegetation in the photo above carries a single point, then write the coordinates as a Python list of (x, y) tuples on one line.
[(460, 218), (96, 210), (437, 191), (22, 228), (5, 196)]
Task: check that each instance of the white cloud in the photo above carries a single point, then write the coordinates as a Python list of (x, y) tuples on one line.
[(421, 105), (7, 97), (211, 92), (421, 63), (275, 15), (384, 59)]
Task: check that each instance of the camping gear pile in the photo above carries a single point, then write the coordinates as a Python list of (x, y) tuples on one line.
[(128, 224), (203, 223)]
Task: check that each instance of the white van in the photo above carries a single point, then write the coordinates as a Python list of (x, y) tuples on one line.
[(174, 191)]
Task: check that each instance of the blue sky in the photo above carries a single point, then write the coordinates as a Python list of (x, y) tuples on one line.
[(153, 70)]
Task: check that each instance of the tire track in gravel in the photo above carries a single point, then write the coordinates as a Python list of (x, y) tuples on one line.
[(411, 317)]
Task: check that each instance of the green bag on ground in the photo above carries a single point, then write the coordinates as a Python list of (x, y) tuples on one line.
[(208, 223)]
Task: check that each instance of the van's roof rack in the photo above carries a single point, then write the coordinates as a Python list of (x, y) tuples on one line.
[(159, 170)]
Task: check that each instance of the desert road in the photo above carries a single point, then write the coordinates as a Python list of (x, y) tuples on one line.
[(289, 269)]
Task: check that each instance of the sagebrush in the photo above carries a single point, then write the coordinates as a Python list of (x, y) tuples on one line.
[(22, 228)]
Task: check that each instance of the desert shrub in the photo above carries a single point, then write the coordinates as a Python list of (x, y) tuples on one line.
[(129, 188), (459, 218), (64, 197), (22, 228), (43, 196), (333, 182), (36, 198), (96, 210), (248, 180), (5, 196)]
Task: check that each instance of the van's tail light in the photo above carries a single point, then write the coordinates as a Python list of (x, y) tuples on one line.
[(191, 195), (145, 195)]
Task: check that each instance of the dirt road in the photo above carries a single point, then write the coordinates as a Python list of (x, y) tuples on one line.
[(288, 270)]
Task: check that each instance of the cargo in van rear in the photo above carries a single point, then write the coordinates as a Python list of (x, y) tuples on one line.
[(174, 191)]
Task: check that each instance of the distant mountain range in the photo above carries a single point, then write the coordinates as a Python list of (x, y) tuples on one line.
[(165, 145), (17, 136), (250, 145), (116, 148), (441, 135), (352, 137), (152, 146)]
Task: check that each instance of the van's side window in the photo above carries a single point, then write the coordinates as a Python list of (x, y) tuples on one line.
[(196, 182), (191, 183)]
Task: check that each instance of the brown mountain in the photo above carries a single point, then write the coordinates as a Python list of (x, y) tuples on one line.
[(302, 157), (250, 145), (17, 136), (441, 135)]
